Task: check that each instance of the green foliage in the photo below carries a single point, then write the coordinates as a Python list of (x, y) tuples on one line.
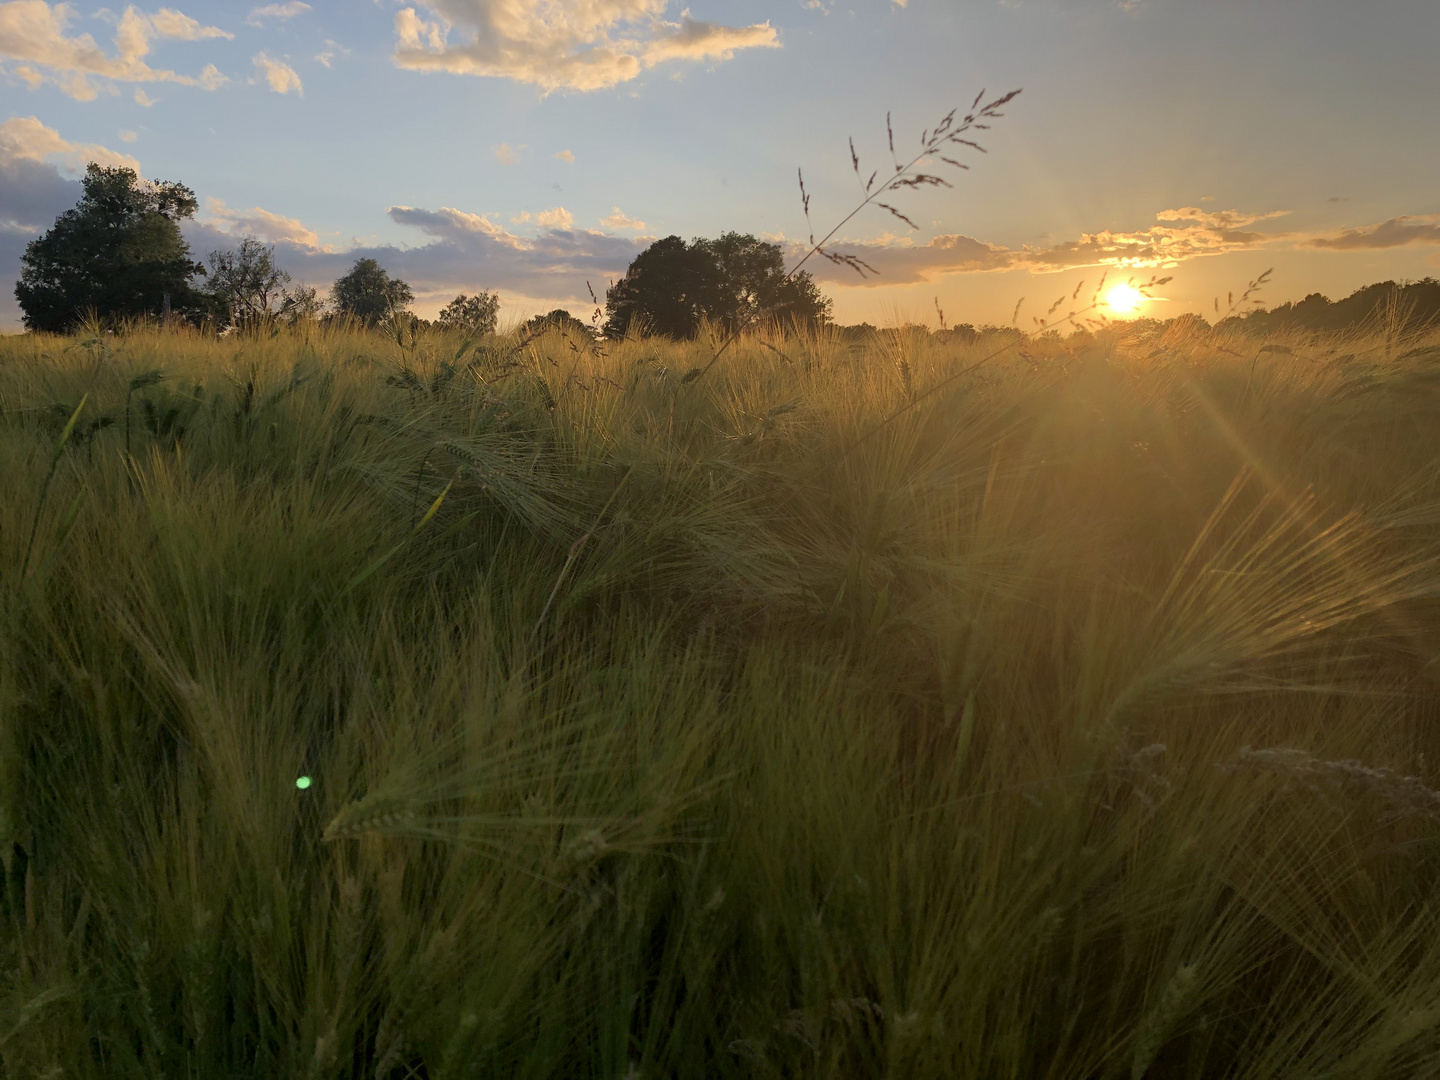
[(244, 286), (1076, 721), (671, 287), (369, 294), (117, 254), (476, 314)]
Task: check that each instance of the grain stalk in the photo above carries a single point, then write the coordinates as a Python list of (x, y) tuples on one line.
[(50, 476), (934, 143)]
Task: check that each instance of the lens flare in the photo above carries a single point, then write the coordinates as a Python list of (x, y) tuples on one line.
[(302, 782)]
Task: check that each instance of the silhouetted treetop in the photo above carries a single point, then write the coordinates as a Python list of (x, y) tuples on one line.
[(1410, 304), (476, 314), (671, 286), (368, 293)]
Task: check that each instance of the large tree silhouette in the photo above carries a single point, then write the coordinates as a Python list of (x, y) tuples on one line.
[(735, 280), (118, 252), (368, 293)]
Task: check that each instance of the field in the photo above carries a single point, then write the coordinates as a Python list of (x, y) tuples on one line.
[(1062, 710)]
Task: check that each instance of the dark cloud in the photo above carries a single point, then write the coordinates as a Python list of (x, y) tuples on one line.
[(467, 252), (1397, 232), (33, 194)]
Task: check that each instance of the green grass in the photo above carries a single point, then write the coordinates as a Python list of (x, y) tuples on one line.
[(708, 729)]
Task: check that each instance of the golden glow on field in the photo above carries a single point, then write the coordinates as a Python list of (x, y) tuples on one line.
[(1124, 299)]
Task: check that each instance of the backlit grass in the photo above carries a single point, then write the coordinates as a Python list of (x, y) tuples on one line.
[(1076, 722)]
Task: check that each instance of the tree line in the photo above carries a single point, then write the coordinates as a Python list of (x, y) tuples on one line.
[(1409, 305), (119, 254)]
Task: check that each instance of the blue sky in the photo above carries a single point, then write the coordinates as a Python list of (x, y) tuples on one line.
[(1297, 134)]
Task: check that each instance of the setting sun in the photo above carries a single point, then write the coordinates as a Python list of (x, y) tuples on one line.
[(1124, 299)]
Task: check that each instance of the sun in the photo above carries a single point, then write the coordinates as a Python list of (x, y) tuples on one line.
[(1124, 299)]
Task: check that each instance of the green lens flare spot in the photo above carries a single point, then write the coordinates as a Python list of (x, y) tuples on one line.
[(303, 782)]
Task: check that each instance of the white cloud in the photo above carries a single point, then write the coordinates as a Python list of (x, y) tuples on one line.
[(558, 218), (617, 219), (332, 49), (25, 138), (280, 75), (692, 40), (128, 136), (507, 154), (261, 224), (278, 12), (566, 156), (34, 33), (562, 44), (143, 99)]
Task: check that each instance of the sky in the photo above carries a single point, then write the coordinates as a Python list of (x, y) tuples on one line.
[(534, 147)]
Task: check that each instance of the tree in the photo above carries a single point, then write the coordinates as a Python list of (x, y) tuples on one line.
[(369, 294), (751, 284), (561, 320), (301, 305), (245, 286), (117, 253), (477, 314), (735, 280), (668, 288)]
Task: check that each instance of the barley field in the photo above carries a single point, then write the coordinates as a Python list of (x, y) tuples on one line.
[(407, 706)]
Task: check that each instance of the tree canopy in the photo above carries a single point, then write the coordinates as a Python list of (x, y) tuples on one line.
[(245, 286), (671, 286), (1411, 304), (559, 319), (476, 314), (369, 294), (117, 253)]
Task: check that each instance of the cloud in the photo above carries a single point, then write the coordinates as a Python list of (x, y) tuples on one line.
[(1194, 234), (33, 190), (331, 50), (261, 224), (562, 44), (467, 247), (143, 99), (692, 40), (566, 156), (618, 220), (128, 136), (507, 154), (1197, 233), (34, 33), (1221, 219), (280, 75), (1397, 232), (278, 12), (463, 252), (25, 138), (558, 218)]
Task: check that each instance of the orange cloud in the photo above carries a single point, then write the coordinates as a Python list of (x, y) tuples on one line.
[(571, 46), (34, 32)]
